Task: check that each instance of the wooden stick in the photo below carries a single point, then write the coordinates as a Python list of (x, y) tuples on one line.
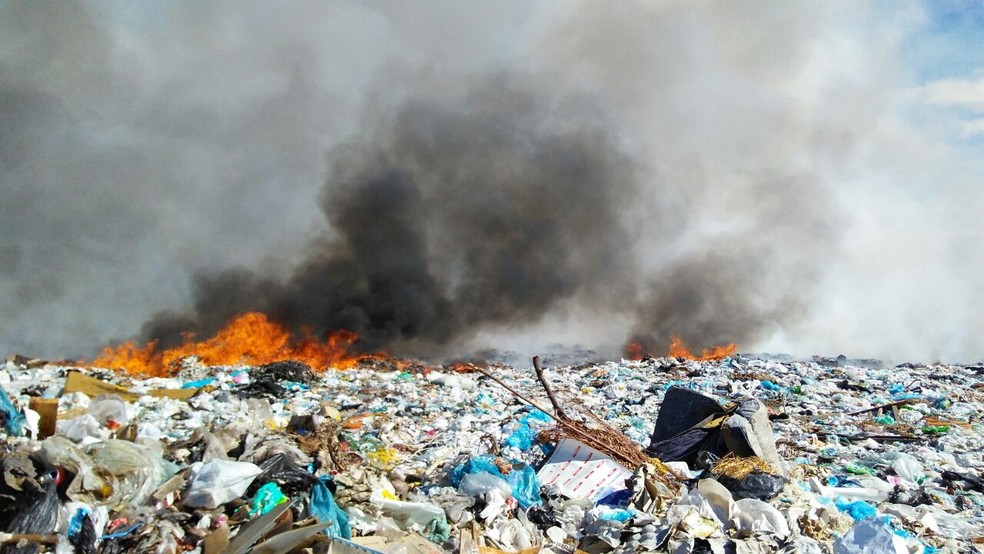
[(37, 539), (514, 392), (546, 387), (883, 406)]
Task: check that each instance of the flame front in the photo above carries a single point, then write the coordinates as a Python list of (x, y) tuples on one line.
[(679, 350), (637, 350), (248, 339)]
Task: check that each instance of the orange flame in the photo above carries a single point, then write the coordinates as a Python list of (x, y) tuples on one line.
[(248, 339), (634, 351), (679, 350), (638, 349)]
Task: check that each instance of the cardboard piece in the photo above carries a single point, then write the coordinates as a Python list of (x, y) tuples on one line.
[(47, 408), (92, 387)]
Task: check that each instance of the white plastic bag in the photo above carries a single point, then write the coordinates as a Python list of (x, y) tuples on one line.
[(218, 482)]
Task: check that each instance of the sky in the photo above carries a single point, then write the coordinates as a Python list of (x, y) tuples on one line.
[(797, 177)]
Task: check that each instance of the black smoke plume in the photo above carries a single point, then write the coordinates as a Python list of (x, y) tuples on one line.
[(499, 207), (451, 215)]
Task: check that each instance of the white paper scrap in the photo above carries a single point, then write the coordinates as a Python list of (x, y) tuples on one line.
[(577, 471)]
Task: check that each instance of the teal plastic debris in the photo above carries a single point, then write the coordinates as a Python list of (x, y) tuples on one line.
[(859, 510), (769, 385), (885, 420), (75, 524), (522, 437), (11, 415), (266, 498), (324, 508), (199, 383), (615, 514)]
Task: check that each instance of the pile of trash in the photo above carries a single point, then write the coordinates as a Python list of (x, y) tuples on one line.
[(744, 454)]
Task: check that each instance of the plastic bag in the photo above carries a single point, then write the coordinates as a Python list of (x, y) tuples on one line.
[(478, 464), (324, 508), (81, 428), (525, 486), (39, 515), (429, 518), (477, 484), (759, 485), (107, 473), (87, 486), (133, 471), (859, 509), (754, 515), (109, 410), (218, 482), (872, 535), (290, 477), (82, 532), (909, 468)]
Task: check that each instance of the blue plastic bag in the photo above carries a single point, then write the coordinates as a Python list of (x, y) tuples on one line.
[(11, 415), (769, 385), (525, 486), (478, 464), (522, 479), (859, 510), (323, 507)]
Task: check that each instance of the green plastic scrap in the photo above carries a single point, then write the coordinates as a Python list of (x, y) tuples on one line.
[(885, 420), (935, 429), (858, 469), (267, 498)]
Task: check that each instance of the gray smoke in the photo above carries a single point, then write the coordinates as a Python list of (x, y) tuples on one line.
[(466, 172)]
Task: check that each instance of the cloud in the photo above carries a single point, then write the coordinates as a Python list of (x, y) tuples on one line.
[(965, 93), (973, 128)]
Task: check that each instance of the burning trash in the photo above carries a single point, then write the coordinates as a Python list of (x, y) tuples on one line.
[(244, 454)]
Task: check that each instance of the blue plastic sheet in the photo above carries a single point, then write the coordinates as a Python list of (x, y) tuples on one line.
[(324, 508), (859, 510), (11, 415)]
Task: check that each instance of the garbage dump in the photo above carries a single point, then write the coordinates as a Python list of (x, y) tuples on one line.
[(741, 454)]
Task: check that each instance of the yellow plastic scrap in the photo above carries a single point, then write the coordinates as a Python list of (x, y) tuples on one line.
[(384, 457), (660, 466)]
